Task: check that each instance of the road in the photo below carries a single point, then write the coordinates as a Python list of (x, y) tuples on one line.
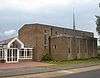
[(89, 74), (86, 72), (24, 71)]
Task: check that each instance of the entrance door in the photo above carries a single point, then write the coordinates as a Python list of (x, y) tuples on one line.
[(12, 55)]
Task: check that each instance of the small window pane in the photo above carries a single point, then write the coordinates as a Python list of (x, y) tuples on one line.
[(21, 53), (29, 53), (1, 53)]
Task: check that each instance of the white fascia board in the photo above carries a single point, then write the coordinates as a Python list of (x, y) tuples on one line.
[(8, 45)]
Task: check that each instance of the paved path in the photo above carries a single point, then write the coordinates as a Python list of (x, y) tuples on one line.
[(23, 71), (60, 73), (22, 65), (23, 68)]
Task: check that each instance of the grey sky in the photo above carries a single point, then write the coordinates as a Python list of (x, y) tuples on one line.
[(15, 13)]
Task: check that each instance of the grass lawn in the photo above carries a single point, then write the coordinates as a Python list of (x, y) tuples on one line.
[(75, 63)]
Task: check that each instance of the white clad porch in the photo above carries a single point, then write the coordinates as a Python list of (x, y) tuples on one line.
[(14, 51)]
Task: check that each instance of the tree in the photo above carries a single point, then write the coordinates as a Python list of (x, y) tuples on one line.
[(98, 24)]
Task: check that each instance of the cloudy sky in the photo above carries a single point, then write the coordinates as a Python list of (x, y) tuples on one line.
[(15, 13)]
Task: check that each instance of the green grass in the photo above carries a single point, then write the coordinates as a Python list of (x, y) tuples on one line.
[(67, 63)]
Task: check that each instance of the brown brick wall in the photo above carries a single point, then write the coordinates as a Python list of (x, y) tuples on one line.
[(36, 36), (66, 48)]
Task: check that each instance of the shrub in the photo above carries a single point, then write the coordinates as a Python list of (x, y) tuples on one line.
[(46, 57)]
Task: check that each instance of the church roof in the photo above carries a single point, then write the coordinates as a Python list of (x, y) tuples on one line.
[(4, 42)]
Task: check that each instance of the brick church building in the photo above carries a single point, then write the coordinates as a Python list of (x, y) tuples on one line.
[(60, 43), (36, 40)]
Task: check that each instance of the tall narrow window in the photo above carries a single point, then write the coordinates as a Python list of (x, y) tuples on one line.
[(69, 50), (29, 53), (54, 46), (45, 40), (21, 53), (1, 53), (45, 31)]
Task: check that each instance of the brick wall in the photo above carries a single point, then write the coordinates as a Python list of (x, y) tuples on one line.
[(37, 37), (67, 48)]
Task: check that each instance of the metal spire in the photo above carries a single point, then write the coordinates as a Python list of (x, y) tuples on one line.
[(73, 20)]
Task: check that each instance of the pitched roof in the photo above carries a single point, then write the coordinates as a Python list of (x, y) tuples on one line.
[(4, 42)]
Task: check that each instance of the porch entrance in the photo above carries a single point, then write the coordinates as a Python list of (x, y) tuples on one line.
[(12, 55)]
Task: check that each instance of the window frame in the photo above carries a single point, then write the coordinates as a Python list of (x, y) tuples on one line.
[(25, 54), (1, 53)]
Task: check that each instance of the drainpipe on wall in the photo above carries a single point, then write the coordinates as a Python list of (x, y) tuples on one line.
[(50, 42), (50, 46)]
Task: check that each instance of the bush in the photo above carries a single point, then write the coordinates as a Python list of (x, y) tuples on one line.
[(46, 57)]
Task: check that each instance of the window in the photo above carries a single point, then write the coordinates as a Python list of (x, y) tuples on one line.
[(45, 39), (68, 50), (45, 46), (29, 53), (45, 31), (21, 53), (54, 46), (1, 53), (15, 44), (25, 53)]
